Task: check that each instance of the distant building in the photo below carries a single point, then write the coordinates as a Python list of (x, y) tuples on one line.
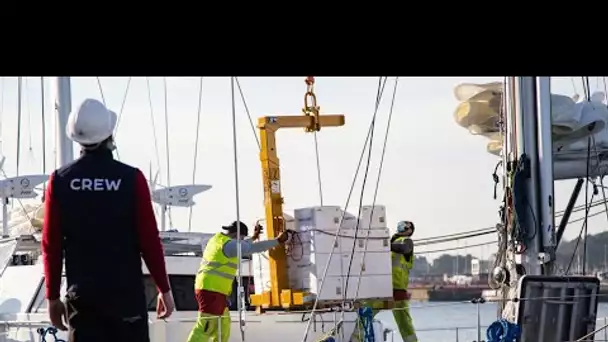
[(479, 267)]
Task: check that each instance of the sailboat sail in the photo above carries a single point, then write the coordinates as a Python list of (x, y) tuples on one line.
[(573, 122)]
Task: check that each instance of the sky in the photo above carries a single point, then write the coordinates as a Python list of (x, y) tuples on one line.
[(435, 173)]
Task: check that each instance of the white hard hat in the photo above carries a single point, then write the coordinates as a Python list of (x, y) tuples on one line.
[(90, 123)]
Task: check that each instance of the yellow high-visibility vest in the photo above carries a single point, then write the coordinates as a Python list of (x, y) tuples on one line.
[(217, 272), (401, 267)]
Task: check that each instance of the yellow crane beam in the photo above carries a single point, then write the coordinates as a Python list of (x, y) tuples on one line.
[(280, 294)]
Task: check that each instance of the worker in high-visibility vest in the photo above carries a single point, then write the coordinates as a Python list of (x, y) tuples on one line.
[(213, 284), (402, 255)]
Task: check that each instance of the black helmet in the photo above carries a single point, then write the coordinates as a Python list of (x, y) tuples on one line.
[(232, 228)]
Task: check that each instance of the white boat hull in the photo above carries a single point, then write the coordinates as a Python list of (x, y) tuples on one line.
[(269, 327)]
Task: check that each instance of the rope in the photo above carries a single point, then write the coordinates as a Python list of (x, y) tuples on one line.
[(317, 157), (583, 338), (381, 164), (503, 331), (240, 300), (381, 85), (50, 331), (366, 317), (295, 241), (198, 125), (330, 335), (352, 188)]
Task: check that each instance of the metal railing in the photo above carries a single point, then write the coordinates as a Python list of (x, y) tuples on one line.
[(601, 335)]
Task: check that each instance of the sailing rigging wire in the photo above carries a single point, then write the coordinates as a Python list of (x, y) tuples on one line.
[(255, 134), (122, 106), (257, 139), (240, 299), (380, 167), (42, 113), (151, 105), (361, 196), (456, 248), (598, 157), (583, 229), (167, 147), (588, 98), (30, 147), (318, 159), (455, 238), (575, 96), (196, 139), (461, 236), (100, 87), (352, 187), (482, 230), (464, 234), (19, 110), (583, 234)]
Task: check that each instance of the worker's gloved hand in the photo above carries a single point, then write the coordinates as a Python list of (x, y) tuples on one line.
[(284, 235), (165, 305), (57, 314), (257, 231)]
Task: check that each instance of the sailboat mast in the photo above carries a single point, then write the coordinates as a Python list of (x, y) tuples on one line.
[(62, 100), (533, 152), (526, 195), (545, 170)]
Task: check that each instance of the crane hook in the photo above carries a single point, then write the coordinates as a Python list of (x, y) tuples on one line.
[(310, 104)]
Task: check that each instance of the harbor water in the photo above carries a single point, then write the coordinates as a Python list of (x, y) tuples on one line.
[(450, 322)]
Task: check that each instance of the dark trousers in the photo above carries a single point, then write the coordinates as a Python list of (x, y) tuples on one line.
[(92, 323)]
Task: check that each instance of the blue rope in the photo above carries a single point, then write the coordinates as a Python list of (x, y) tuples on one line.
[(503, 331), (366, 317), (51, 331)]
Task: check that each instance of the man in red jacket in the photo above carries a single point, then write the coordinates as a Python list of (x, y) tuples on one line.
[(98, 218)]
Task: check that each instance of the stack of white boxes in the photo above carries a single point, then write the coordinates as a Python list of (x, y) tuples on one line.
[(369, 276)]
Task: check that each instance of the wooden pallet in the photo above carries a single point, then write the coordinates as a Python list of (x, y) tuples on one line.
[(336, 305)]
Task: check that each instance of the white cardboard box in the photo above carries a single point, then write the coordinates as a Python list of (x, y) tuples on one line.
[(376, 286), (373, 217), (325, 218), (349, 221)]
